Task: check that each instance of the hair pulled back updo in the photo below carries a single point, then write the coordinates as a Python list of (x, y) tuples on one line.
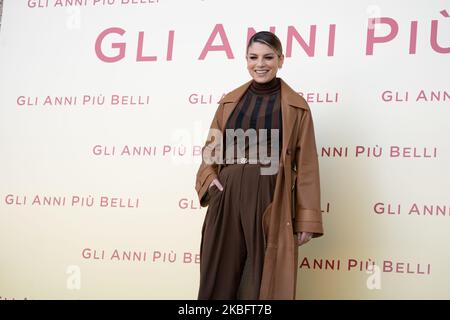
[(267, 38)]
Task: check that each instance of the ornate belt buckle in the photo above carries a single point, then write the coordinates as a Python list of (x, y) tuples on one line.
[(243, 160)]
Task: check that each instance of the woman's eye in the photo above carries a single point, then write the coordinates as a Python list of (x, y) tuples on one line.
[(267, 58)]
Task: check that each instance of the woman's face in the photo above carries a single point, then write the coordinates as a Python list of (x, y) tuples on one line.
[(263, 62)]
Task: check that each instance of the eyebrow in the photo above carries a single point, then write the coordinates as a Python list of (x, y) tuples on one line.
[(267, 54)]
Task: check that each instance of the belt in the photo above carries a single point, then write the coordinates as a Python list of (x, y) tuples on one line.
[(229, 162)]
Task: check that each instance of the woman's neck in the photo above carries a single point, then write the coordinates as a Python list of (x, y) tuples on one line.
[(266, 87)]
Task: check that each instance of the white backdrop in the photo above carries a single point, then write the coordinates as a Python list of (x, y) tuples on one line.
[(104, 106)]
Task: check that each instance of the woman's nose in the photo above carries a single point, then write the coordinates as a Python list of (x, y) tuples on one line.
[(260, 63)]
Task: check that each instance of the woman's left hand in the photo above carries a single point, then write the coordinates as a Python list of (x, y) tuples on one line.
[(303, 237)]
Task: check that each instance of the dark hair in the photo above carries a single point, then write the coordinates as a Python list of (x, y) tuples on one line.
[(267, 38)]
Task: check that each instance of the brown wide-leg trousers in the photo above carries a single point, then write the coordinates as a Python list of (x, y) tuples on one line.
[(232, 247)]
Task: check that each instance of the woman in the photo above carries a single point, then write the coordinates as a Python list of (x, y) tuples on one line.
[(257, 216)]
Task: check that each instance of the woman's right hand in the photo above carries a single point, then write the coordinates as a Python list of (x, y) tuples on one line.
[(217, 183)]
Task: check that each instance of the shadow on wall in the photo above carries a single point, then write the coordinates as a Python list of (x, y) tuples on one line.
[(1, 10)]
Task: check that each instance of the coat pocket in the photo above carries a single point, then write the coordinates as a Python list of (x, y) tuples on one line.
[(293, 192), (293, 177)]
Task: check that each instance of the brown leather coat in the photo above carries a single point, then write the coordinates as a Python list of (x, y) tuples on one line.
[(296, 203)]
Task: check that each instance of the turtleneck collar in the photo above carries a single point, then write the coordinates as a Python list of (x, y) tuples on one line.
[(267, 87)]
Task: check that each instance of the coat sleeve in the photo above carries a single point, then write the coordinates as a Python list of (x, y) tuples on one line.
[(308, 215), (207, 172)]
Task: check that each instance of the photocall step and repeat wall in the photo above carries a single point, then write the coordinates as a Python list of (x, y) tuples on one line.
[(105, 105)]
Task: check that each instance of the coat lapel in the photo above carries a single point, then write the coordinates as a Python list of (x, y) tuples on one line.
[(230, 102)]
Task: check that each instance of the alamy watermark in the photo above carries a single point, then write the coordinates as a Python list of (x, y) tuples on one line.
[(253, 152)]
